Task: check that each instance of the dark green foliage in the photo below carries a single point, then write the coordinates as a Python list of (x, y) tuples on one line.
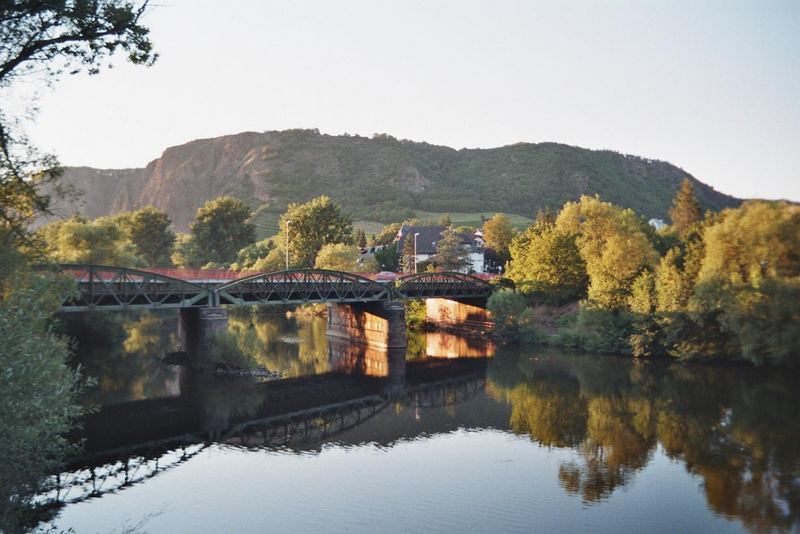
[(361, 238), (387, 258), (598, 330), (221, 230), (513, 319), (151, 234), (451, 255), (37, 391)]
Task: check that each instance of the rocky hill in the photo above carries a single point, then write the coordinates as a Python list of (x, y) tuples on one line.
[(379, 178)]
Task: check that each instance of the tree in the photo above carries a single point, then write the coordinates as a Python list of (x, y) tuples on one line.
[(361, 238), (341, 257), (312, 225), (685, 209), (46, 39), (409, 257), (251, 254), (221, 229), (100, 242), (151, 234), (445, 220), (546, 260), (387, 258), (451, 254), (498, 233), (512, 317), (38, 393), (612, 243), (387, 235), (38, 389), (184, 253), (275, 260), (753, 242)]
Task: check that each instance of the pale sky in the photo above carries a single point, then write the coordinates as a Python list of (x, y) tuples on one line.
[(710, 86)]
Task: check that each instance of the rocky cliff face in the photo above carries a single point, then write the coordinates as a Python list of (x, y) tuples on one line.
[(377, 178)]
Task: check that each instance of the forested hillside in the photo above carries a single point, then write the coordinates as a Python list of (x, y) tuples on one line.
[(379, 178)]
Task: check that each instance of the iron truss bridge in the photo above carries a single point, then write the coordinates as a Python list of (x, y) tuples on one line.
[(119, 288)]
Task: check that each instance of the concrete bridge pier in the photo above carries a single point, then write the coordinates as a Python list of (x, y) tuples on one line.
[(462, 315), (376, 324), (196, 329)]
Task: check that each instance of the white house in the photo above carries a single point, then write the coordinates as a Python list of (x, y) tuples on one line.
[(428, 236)]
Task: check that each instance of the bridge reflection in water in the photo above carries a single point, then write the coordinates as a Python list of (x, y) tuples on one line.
[(130, 442)]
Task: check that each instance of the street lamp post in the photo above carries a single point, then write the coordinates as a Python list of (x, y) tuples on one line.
[(415, 252), (287, 243)]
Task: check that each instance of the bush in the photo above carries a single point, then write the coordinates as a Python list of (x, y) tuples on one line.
[(513, 319), (598, 330), (38, 392)]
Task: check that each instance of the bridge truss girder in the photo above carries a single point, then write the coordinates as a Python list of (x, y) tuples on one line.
[(301, 286), (442, 285), (121, 288)]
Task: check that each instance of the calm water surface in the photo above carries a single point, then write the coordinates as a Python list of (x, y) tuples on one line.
[(454, 435)]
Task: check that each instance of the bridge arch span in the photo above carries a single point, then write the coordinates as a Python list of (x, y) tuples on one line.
[(299, 286), (108, 287), (447, 285)]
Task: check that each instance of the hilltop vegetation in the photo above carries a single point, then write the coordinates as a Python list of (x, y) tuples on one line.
[(380, 179)]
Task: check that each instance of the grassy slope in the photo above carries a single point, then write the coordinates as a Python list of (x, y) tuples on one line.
[(384, 179)]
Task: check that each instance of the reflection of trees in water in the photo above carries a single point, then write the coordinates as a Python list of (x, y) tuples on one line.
[(295, 346), (123, 351), (735, 428)]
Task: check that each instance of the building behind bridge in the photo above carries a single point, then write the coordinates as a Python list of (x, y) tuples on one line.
[(427, 238)]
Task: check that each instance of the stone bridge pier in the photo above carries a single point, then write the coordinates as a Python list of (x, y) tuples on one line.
[(467, 315), (376, 324), (197, 327)]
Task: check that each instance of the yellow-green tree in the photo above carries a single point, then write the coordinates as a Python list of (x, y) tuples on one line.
[(342, 257), (498, 233), (613, 244), (99, 242), (755, 241), (251, 254), (312, 225), (546, 260)]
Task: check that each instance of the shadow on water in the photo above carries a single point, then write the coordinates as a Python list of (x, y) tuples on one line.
[(734, 428)]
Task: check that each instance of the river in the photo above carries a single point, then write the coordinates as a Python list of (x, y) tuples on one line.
[(454, 435)]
